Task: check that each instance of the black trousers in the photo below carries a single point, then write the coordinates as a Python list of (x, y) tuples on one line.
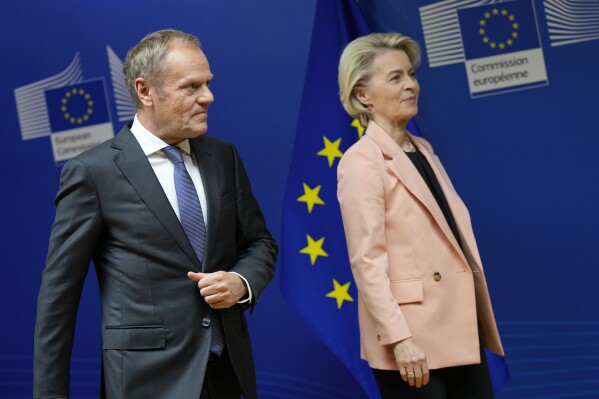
[(460, 382), (220, 381)]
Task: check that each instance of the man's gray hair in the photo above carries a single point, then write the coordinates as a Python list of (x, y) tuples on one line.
[(145, 59)]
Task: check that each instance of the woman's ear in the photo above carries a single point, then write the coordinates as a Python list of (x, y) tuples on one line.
[(362, 97)]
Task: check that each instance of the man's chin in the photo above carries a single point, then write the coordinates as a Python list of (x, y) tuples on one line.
[(200, 130)]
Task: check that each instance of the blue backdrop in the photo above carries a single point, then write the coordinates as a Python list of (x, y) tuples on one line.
[(522, 152)]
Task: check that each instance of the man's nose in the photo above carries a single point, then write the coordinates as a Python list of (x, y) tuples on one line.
[(206, 96)]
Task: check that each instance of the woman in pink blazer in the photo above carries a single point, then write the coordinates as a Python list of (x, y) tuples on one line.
[(423, 300)]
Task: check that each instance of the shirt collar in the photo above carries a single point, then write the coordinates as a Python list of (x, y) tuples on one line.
[(150, 143)]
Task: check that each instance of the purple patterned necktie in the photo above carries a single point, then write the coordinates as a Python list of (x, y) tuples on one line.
[(192, 220)]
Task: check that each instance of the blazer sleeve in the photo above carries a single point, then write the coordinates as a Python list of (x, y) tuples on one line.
[(361, 194), (74, 235), (256, 249)]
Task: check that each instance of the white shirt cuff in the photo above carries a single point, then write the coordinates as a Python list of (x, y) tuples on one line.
[(249, 298)]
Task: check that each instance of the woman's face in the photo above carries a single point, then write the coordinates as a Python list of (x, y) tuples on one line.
[(392, 93)]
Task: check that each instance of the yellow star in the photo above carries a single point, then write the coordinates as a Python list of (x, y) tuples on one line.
[(311, 197), (356, 123), (495, 11), (314, 249), (340, 293), (482, 22), (481, 31), (330, 150)]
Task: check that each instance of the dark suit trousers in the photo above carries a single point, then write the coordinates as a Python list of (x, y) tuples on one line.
[(461, 382), (220, 381)]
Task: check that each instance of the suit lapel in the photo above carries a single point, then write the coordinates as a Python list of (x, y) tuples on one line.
[(406, 172), (208, 169), (134, 165), (451, 197), (460, 213)]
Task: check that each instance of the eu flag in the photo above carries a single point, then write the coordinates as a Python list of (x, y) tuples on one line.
[(79, 105), (316, 277), (498, 28)]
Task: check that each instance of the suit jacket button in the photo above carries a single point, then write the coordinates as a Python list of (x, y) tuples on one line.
[(205, 321), (437, 276)]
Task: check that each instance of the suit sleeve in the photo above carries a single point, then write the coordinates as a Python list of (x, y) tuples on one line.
[(256, 249), (361, 195), (74, 235)]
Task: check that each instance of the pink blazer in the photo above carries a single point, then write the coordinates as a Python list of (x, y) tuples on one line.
[(412, 277)]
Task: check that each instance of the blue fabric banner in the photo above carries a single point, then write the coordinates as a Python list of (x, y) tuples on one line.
[(316, 277)]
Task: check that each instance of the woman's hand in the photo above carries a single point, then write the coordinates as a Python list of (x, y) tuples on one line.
[(413, 367)]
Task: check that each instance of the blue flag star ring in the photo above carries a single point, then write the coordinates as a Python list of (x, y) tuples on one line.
[(501, 47), (79, 118)]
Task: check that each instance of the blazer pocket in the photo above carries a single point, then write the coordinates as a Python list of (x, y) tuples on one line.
[(134, 337), (407, 291)]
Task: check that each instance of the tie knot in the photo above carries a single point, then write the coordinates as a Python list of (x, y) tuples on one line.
[(173, 153)]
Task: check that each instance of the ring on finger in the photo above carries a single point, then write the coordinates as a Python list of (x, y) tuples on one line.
[(410, 373)]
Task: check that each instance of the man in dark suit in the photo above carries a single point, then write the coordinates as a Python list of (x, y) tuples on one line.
[(173, 285)]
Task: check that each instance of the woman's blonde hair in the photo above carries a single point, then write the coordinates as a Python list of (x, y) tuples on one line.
[(355, 66)]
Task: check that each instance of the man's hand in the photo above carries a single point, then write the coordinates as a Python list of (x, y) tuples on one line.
[(413, 367), (220, 290)]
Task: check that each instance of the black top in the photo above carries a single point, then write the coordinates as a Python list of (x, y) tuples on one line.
[(421, 163)]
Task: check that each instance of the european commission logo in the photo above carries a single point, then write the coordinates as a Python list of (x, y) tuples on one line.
[(498, 43), (79, 118), (74, 113), (502, 47)]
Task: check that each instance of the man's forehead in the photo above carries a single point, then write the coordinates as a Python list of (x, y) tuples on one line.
[(186, 58), (179, 51)]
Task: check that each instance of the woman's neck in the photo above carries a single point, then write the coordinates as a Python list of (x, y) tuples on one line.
[(397, 132)]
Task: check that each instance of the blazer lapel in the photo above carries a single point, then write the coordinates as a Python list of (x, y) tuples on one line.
[(459, 210), (407, 173), (208, 169), (134, 164)]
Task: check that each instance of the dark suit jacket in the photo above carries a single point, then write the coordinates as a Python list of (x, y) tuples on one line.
[(111, 209)]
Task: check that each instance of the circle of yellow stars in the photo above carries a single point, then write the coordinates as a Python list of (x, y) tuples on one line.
[(73, 95), (311, 197), (504, 14)]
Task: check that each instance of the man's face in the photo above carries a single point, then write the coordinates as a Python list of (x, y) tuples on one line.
[(180, 106)]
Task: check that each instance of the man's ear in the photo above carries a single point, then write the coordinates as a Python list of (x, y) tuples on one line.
[(145, 92)]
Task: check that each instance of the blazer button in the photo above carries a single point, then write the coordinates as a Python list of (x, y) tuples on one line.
[(205, 321), (437, 276)]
